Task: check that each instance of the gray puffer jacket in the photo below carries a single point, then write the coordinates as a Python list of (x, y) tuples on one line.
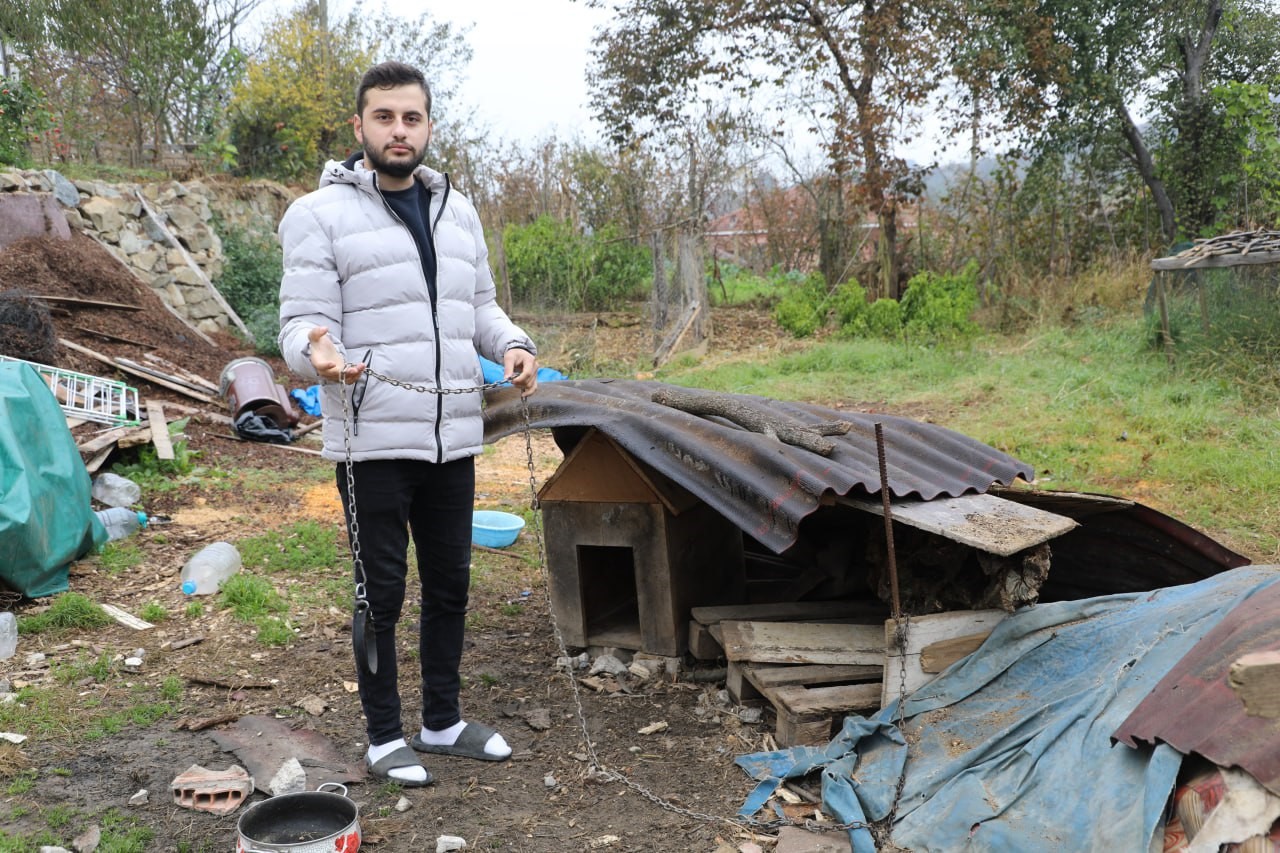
[(352, 265)]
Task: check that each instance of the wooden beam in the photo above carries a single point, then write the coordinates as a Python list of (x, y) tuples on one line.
[(159, 429), (172, 386), (1215, 261), (91, 303), (803, 642), (681, 329), (792, 611), (107, 336), (986, 522), (933, 632)]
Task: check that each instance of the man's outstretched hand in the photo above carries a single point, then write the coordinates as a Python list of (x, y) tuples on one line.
[(326, 359)]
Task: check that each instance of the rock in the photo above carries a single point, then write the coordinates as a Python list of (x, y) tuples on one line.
[(538, 719), (49, 849), (403, 804), (103, 216), (63, 190), (87, 841), (795, 840), (609, 665), (449, 843), (550, 780), (141, 798), (313, 705), (291, 778)]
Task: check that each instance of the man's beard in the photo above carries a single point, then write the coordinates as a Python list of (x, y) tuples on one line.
[(392, 168)]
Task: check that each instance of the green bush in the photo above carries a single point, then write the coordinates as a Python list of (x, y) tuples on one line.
[(250, 283), (884, 319), (21, 119), (850, 308), (551, 265), (939, 305), (803, 307)]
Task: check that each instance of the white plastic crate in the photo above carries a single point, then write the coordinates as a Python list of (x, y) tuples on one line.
[(91, 398)]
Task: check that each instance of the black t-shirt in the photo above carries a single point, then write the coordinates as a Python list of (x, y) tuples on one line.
[(413, 206)]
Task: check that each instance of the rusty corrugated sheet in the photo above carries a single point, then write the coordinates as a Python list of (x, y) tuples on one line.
[(763, 486), (1193, 708)]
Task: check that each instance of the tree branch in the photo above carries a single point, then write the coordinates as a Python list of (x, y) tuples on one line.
[(754, 419)]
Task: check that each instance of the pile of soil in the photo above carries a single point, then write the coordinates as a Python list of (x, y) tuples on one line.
[(79, 270)]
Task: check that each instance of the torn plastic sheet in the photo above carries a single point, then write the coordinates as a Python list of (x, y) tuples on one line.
[(854, 796), (1011, 748), (254, 427)]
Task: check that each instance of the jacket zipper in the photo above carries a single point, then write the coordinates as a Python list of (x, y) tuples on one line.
[(431, 298), (435, 320)]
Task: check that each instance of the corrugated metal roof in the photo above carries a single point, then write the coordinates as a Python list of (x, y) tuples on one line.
[(1194, 709), (762, 485)]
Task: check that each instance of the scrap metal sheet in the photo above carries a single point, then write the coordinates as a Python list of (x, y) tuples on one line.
[(760, 484), (1194, 709)]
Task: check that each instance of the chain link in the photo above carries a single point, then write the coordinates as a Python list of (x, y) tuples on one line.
[(597, 767)]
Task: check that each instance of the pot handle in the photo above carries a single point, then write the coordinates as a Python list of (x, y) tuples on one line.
[(338, 785)]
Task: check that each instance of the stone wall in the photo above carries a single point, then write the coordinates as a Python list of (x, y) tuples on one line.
[(163, 231)]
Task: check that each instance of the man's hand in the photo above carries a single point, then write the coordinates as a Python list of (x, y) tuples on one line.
[(325, 358), (521, 368)]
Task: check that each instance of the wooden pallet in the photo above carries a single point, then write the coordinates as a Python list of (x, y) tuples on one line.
[(811, 700)]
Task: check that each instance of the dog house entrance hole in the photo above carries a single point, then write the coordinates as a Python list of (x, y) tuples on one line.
[(610, 602)]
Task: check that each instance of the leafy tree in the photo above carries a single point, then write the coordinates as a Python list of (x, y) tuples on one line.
[(292, 107), (157, 65), (868, 65), (1072, 73)]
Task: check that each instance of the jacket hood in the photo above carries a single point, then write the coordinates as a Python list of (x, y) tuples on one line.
[(354, 172)]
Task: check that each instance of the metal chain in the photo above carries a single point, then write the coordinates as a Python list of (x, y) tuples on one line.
[(354, 525), (601, 772)]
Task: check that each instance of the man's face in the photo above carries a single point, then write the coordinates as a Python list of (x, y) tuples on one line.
[(394, 130)]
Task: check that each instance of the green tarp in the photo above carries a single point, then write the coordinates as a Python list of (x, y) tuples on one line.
[(46, 520)]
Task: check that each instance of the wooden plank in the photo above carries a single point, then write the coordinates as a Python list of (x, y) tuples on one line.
[(802, 642), (766, 678), (1206, 262), (306, 450), (807, 715), (125, 618), (97, 460), (936, 657), (91, 303), (156, 373), (104, 439), (107, 336), (181, 389), (791, 611), (923, 632), (825, 701), (985, 522), (159, 429), (740, 689), (194, 378), (1255, 678), (702, 645)]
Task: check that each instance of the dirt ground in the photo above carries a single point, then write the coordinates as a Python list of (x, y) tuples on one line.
[(672, 738)]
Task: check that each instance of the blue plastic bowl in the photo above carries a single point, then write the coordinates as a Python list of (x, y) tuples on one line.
[(494, 529)]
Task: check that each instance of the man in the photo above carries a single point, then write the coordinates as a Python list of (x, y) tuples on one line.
[(385, 266)]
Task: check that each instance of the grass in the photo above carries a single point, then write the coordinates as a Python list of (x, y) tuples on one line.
[(69, 611), (1093, 407), (300, 547)]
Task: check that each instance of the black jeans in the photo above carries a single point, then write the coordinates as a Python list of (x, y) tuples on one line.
[(393, 498)]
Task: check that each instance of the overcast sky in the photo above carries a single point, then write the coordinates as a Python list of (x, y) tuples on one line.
[(528, 72)]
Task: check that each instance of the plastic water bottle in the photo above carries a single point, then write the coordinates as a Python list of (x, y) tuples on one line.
[(205, 572), (121, 521), (8, 635)]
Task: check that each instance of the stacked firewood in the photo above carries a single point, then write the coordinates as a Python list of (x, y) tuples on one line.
[(1235, 243)]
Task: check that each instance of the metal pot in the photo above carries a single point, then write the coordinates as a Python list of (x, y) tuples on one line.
[(310, 822)]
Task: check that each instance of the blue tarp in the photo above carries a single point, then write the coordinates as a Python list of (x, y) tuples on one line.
[(493, 372), (1011, 748)]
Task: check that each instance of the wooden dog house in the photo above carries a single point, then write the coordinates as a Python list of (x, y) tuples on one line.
[(630, 552)]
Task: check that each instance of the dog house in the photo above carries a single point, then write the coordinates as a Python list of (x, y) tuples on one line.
[(629, 551)]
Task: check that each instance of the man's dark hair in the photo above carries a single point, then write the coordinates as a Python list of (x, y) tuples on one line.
[(388, 75)]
